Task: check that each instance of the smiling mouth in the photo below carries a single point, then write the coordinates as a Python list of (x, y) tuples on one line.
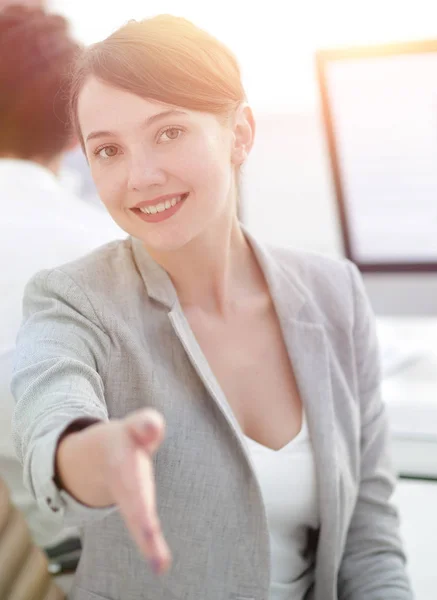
[(163, 206)]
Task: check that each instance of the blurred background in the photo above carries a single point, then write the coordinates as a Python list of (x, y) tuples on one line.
[(345, 163)]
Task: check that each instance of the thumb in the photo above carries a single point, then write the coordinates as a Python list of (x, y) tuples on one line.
[(147, 428)]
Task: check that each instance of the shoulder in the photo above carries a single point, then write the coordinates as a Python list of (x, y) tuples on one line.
[(89, 279), (97, 268), (333, 294), (327, 282), (310, 267), (330, 290)]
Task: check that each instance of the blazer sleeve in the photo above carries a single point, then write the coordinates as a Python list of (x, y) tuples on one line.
[(373, 564), (61, 356)]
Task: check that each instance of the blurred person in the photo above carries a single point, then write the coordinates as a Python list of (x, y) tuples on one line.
[(76, 176), (73, 172), (191, 393), (40, 222)]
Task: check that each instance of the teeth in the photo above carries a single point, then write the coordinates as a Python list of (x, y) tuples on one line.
[(161, 207)]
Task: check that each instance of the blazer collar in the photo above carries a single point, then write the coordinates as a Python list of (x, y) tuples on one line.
[(279, 277), (282, 279), (157, 281)]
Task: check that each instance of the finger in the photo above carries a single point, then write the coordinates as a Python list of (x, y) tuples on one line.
[(143, 523), (137, 504), (147, 427)]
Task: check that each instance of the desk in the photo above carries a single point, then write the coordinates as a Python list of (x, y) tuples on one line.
[(411, 397), (416, 502)]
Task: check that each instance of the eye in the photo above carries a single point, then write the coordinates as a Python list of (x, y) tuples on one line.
[(169, 134), (106, 152)]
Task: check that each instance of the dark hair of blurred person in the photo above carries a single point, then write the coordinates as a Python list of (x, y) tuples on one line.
[(36, 54)]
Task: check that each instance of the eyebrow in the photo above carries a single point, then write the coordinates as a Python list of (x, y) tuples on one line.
[(149, 121)]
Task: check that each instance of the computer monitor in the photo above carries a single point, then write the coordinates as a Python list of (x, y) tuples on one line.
[(379, 108)]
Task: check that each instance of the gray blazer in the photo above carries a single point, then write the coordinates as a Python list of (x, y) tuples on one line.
[(106, 335)]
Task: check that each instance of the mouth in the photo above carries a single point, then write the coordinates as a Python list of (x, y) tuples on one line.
[(161, 209)]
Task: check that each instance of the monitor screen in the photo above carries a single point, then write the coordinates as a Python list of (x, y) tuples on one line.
[(380, 115)]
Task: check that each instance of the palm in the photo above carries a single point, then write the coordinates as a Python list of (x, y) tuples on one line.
[(133, 484)]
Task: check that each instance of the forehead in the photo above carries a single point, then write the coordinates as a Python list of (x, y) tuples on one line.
[(107, 108)]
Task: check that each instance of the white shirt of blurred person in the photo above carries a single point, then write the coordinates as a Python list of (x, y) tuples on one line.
[(42, 224), (75, 174)]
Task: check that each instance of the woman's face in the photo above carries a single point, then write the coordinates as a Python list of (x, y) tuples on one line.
[(165, 174)]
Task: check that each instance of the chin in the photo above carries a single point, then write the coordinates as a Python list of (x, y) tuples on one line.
[(167, 241)]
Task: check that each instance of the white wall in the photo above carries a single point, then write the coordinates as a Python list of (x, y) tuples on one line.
[(274, 41), (287, 192)]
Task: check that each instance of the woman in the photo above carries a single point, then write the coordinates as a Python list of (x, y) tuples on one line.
[(272, 479)]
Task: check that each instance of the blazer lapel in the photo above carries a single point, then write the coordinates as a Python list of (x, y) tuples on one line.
[(197, 358), (308, 349)]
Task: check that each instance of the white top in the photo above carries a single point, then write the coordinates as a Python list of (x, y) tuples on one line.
[(287, 479), (41, 226)]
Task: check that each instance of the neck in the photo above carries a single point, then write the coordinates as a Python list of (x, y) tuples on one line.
[(52, 164), (214, 271)]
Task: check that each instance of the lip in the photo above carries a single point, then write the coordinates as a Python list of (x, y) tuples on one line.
[(160, 216), (159, 199)]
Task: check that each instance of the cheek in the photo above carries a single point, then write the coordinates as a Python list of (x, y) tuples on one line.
[(108, 181), (205, 165)]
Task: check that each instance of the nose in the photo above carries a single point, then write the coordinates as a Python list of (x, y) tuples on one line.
[(145, 172)]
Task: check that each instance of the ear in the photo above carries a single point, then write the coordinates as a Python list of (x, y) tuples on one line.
[(244, 134)]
